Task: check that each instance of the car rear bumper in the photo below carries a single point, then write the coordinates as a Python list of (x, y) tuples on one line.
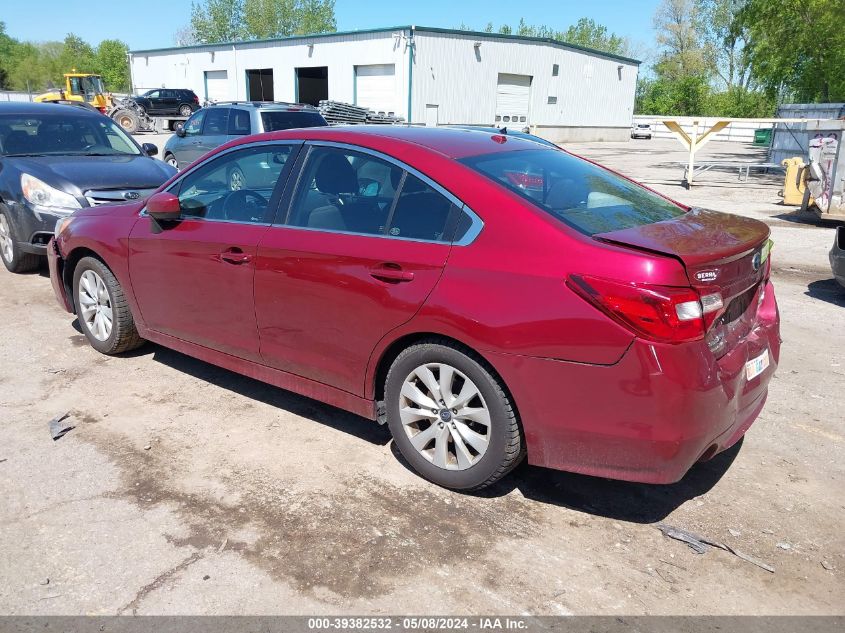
[(57, 265), (648, 417)]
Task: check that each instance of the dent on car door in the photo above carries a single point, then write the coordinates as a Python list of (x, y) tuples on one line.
[(363, 244), (193, 278)]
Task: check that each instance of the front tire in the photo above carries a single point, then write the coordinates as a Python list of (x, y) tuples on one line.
[(15, 260), (103, 311), (450, 417), (170, 159)]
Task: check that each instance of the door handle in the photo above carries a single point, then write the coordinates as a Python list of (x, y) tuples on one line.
[(235, 256), (391, 273)]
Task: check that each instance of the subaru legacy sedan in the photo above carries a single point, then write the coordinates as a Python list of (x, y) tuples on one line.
[(485, 297)]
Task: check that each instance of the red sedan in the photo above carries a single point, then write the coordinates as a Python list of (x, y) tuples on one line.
[(486, 297)]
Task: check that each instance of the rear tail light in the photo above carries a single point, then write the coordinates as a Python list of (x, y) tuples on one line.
[(665, 314), (196, 99), (525, 181)]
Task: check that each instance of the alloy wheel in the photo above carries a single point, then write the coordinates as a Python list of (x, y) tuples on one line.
[(236, 180), (6, 244), (444, 416), (95, 305)]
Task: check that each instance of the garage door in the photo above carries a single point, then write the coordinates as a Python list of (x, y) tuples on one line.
[(216, 85), (375, 87), (512, 98)]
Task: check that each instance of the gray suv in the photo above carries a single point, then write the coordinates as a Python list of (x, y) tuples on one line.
[(219, 123)]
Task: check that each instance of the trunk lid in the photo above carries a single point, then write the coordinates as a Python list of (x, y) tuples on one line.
[(722, 253)]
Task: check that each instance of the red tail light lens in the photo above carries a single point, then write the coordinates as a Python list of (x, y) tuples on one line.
[(525, 181), (196, 99), (665, 314)]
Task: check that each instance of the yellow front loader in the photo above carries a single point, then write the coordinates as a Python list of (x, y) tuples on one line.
[(84, 87)]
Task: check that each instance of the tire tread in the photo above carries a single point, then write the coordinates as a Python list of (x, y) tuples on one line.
[(127, 338), (515, 448)]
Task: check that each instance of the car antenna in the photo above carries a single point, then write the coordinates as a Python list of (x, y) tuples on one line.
[(503, 130)]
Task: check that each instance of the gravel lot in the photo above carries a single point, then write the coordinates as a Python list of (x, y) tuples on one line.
[(186, 489)]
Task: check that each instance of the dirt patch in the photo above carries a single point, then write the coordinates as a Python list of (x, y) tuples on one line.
[(355, 541)]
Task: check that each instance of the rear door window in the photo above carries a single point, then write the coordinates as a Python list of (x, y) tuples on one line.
[(275, 120), (421, 212), (346, 191), (216, 122), (239, 122), (586, 197)]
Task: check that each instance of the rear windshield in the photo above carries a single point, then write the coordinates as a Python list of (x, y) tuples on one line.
[(274, 121), (588, 198)]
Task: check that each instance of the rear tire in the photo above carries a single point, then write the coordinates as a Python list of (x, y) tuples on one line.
[(15, 260), (438, 392), (128, 120), (103, 311), (170, 159), (185, 110)]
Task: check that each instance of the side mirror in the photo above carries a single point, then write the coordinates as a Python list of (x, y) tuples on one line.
[(150, 149), (164, 206), (180, 131)]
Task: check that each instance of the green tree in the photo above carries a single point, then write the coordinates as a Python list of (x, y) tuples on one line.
[(113, 65), (589, 34), (217, 20), (77, 54), (678, 24), (797, 47), (278, 18), (8, 47), (228, 20), (586, 33), (725, 41), (684, 96)]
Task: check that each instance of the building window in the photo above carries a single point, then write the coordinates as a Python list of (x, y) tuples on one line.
[(555, 70), (552, 100)]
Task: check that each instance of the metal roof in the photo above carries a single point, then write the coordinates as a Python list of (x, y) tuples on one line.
[(420, 29)]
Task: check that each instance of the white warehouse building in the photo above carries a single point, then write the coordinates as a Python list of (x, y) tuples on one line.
[(429, 76)]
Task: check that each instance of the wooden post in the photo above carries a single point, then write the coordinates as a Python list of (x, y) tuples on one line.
[(692, 148)]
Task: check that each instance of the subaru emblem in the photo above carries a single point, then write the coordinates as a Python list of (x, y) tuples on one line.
[(131, 195), (757, 260)]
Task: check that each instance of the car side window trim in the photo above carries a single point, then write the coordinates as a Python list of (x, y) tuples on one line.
[(275, 198), (476, 223)]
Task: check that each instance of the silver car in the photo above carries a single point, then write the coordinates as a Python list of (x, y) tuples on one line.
[(222, 122)]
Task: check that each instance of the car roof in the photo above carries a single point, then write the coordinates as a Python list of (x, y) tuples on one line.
[(509, 132), (453, 143), (266, 105), (26, 107)]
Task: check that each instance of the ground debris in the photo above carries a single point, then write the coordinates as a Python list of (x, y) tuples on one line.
[(827, 565), (58, 427), (699, 544)]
